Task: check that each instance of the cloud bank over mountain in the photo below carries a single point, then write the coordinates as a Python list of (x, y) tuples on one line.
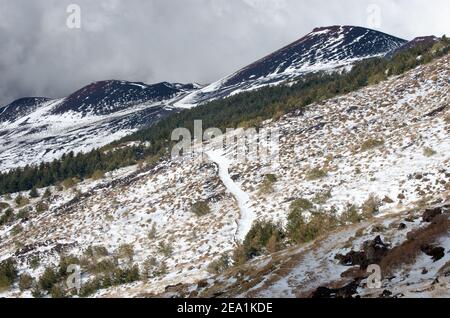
[(175, 40)]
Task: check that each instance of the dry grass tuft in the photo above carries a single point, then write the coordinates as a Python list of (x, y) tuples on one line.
[(407, 252)]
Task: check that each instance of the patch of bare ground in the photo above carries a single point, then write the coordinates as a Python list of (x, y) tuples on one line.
[(417, 240)]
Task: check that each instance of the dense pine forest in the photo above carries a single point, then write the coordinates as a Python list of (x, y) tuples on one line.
[(244, 110)]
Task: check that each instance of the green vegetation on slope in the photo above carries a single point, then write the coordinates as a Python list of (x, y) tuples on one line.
[(246, 109)]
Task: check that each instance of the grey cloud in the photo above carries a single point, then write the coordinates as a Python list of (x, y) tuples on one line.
[(172, 40)]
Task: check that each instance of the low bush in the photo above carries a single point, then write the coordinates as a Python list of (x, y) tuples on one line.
[(125, 275), (316, 174), (152, 233), (23, 214), (447, 118), (8, 273), (201, 208), (34, 262), (7, 217), (47, 194), (239, 255), (33, 193), (95, 252), (17, 229), (42, 207), (428, 152), (165, 249), (119, 276), (161, 270), (97, 175), (267, 184), (351, 215), (125, 252), (370, 207), (48, 279), (25, 282), (300, 230), (107, 265), (322, 197), (64, 263), (70, 183), (58, 291), (21, 201), (371, 144), (301, 205), (150, 265), (3, 206), (219, 265), (256, 241)]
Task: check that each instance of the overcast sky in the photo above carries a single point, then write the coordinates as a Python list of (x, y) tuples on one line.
[(175, 40)]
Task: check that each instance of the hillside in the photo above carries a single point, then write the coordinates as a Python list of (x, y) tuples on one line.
[(329, 49), (172, 220), (35, 130)]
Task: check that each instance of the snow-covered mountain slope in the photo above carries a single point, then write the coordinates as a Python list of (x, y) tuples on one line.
[(421, 40), (390, 140), (34, 130), (314, 269), (327, 48)]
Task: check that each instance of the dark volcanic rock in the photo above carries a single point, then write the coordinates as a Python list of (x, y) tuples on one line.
[(436, 252), (106, 97), (402, 226), (20, 108), (386, 294), (323, 49), (348, 291), (430, 214), (372, 253)]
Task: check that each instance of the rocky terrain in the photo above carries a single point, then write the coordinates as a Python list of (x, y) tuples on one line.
[(39, 129), (389, 141)]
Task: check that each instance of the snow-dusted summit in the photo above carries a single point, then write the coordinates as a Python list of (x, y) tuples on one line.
[(40, 129), (327, 48)]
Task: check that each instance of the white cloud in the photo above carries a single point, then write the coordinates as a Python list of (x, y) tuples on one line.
[(173, 40)]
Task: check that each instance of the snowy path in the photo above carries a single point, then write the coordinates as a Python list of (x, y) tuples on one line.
[(247, 215)]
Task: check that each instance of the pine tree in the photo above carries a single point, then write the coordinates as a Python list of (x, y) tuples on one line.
[(34, 193), (47, 194)]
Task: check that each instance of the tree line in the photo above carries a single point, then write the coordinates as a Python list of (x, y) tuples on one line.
[(245, 109)]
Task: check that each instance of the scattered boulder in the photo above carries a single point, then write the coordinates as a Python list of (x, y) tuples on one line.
[(176, 289), (375, 250), (430, 214), (352, 258), (402, 226), (348, 291), (372, 253), (386, 294), (202, 284), (388, 200), (436, 252)]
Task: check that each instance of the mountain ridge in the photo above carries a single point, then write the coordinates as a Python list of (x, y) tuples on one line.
[(325, 48), (113, 109)]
